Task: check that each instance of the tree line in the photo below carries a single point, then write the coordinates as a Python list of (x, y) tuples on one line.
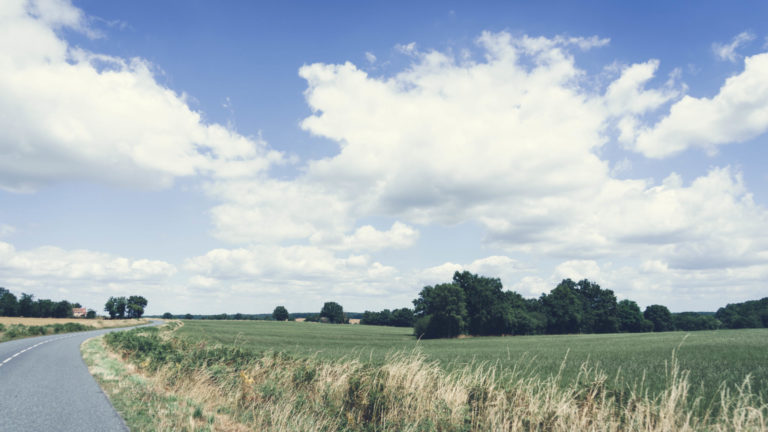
[(476, 305), (27, 306)]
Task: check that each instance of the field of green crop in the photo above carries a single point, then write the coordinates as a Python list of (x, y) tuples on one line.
[(711, 357)]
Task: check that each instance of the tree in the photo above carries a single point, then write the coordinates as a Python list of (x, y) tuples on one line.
[(487, 309), (167, 315), (188, 316), (135, 306), (631, 320), (599, 308), (62, 309), (115, 307), (563, 308), (334, 313), (8, 304), (280, 314), (660, 317), (402, 318), (440, 311), (27, 305), (91, 314)]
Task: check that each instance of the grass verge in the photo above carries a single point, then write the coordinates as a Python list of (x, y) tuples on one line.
[(190, 385)]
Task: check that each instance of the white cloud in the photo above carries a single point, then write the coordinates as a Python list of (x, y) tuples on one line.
[(368, 238), (72, 114), (370, 57), (738, 112), (52, 263), (728, 51)]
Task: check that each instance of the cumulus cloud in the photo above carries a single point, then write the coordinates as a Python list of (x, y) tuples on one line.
[(728, 51), (738, 112), (67, 113), (52, 263), (368, 238)]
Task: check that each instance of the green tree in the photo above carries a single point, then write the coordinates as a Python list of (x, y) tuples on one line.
[(188, 316), (280, 314), (167, 315), (660, 317), (402, 317), (9, 306), (115, 307), (62, 309), (91, 314), (135, 306), (27, 305), (631, 320), (599, 308), (563, 308), (440, 311), (487, 309), (334, 313)]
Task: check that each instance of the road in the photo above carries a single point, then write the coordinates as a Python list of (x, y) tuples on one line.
[(45, 386)]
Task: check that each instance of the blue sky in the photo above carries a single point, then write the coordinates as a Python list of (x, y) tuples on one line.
[(230, 157)]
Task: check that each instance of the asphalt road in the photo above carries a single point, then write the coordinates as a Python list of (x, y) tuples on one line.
[(45, 386)]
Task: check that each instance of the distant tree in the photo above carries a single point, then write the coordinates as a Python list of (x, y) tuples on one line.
[(312, 318), (167, 315), (487, 307), (62, 309), (334, 313), (440, 311), (692, 321), (402, 317), (599, 308), (280, 314), (135, 306), (26, 305), (563, 308), (631, 320), (44, 308), (9, 306), (660, 317), (115, 307), (91, 314), (749, 314), (188, 316)]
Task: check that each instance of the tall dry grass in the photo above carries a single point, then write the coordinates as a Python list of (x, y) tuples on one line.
[(273, 391)]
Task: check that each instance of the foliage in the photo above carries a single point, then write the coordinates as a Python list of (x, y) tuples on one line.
[(334, 313), (440, 311), (280, 313), (27, 306), (749, 314), (17, 331), (135, 306), (660, 316), (167, 315), (397, 318), (91, 314)]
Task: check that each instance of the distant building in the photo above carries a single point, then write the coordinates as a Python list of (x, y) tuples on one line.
[(79, 312)]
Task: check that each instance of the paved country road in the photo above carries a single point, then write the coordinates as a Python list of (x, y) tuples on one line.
[(46, 386)]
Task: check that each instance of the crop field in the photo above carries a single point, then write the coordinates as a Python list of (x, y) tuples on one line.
[(256, 375), (711, 357), (95, 323)]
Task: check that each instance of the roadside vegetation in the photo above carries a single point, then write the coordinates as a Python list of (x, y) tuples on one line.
[(200, 383), (19, 327)]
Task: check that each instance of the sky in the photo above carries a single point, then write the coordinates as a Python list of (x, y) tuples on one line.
[(223, 157)]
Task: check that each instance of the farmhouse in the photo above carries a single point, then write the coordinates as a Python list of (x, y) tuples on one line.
[(79, 312)]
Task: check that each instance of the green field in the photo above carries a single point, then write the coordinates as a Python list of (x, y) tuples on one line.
[(711, 357)]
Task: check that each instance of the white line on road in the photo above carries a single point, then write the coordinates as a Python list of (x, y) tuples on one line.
[(33, 346)]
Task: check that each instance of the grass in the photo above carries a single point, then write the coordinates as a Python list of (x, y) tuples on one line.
[(712, 357), (234, 387)]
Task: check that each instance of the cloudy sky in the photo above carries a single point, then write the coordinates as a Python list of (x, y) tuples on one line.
[(233, 156)]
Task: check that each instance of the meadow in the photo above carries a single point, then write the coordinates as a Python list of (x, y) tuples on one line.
[(229, 376), (711, 357)]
